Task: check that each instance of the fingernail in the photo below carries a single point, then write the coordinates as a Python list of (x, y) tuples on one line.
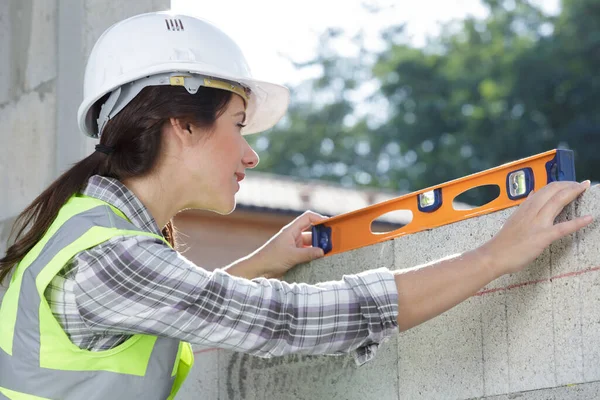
[(586, 182)]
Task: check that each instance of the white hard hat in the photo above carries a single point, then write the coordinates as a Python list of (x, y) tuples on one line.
[(168, 49)]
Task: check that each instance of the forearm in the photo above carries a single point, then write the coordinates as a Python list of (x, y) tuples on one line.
[(249, 267), (242, 269), (427, 291)]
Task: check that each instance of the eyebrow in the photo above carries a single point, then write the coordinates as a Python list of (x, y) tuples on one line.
[(240, 113)]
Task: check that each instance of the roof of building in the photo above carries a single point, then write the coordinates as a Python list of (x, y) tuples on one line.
[(275, 193)]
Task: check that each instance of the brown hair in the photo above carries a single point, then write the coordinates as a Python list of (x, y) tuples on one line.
[(135, 135)]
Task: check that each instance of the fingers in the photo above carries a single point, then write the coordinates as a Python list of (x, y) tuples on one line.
[(309, 254), (566, 228), (306, 219), (542, 196), (555, 204)]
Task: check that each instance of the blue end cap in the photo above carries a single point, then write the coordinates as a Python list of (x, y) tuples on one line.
[(321, 237), (437, 202), (562, 167)]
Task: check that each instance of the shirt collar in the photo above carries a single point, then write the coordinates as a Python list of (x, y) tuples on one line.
[(112, 191)]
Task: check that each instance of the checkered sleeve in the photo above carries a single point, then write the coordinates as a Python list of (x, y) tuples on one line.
[(137, 284)]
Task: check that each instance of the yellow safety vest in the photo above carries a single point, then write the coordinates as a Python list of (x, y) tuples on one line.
[(37, 359)]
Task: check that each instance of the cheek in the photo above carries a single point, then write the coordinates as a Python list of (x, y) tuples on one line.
[(194, 161), (216, 159), (211, 164), (229, 151)]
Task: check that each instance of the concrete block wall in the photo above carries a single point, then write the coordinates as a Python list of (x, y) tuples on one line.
[(44, 45), (531, 335)]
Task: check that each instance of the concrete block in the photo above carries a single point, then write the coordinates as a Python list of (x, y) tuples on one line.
[(203, 380), (588, 258), (588, 251), (495, 343), (351, 262), (568, 346), (303, 377), (442, 358), (530, 338), (432, 245), (590, 325), (564, 252), (26, 151), (41, 50), (587, 391)]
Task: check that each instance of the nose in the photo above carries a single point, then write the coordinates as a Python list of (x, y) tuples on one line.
[(250, 158)]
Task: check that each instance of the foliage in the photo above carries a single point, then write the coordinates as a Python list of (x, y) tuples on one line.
[(482, 93)]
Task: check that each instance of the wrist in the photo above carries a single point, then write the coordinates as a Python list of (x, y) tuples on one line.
[(489, 260)]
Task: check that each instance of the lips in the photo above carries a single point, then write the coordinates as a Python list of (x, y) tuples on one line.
[(240, 176)]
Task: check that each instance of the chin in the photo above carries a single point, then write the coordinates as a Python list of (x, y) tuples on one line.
[(225, 209)]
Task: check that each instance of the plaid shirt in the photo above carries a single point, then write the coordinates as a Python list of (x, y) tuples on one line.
[(138, 284)]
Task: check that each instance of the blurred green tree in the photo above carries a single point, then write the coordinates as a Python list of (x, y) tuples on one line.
[(482, 93)]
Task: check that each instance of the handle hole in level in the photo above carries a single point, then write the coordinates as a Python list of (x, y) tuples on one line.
[(391, 221), (476, 197)]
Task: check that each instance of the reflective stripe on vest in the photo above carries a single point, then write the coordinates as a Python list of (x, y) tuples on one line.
[(36, 356)]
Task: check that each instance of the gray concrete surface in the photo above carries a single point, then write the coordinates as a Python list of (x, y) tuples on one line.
[(530, 335)]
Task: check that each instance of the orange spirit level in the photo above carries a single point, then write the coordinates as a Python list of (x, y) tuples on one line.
[(433, 207)]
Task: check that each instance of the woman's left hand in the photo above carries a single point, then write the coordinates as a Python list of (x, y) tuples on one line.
[(291, 246)]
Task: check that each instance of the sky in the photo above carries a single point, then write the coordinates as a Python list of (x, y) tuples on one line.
[(270, 32)]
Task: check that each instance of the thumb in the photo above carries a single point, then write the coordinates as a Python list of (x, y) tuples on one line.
[(306, 254)]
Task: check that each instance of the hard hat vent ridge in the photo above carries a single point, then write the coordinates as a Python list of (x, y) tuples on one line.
[(174, 24)]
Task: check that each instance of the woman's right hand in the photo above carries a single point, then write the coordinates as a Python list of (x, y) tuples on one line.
[(531, 228)]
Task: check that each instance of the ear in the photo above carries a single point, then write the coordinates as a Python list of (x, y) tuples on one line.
[(183, 131)]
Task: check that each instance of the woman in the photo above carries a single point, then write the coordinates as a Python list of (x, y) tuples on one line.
[(101, 304)]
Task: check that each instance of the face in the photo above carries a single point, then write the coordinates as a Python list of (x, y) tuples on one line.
[(216, 162)]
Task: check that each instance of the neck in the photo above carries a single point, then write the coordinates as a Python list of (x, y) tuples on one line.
[(157, 195)]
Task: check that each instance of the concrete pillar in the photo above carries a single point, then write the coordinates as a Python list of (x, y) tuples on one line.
[(44, 45), (80, 24)]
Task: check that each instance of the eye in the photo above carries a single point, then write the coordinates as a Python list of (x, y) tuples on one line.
[(241, 125)]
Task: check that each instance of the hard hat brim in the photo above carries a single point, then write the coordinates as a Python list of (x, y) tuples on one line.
[(268, 101)]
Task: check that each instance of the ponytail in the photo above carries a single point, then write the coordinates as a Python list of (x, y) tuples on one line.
[(35, 220)]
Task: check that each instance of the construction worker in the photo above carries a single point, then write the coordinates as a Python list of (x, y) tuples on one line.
[(99, 302)]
